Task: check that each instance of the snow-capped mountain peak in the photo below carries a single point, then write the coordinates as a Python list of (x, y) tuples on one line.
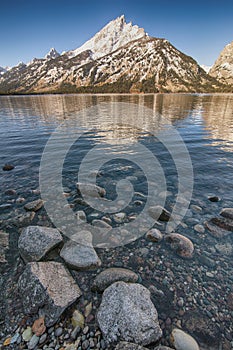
[(115, 34), (52, 54)]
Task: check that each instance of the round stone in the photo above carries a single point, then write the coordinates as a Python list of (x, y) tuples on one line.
[(183, 341)]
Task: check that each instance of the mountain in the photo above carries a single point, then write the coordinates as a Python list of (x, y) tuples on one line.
[(115, 34), (2, 70), (52, 54), (223, 67), (120, 58)]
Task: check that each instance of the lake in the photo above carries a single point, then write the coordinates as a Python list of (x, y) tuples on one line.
[(172, 150)]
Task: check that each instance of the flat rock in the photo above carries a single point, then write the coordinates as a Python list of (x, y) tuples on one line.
[(4, 245), (199, 228), (101, 224), (159, 213), (111, 275), (161, 347), (90, 190), (181, 245), (47, 288), (127, 313), (216, 231), (227, 213), (183, 341), (79, 253), (34, 206), (223, 223), (123, 345), (36, 241)]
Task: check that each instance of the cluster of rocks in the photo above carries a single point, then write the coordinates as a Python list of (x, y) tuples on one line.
[(126, 317)]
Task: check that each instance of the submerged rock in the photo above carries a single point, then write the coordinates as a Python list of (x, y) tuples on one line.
[(77, 319), (101, 224), (27, 334), (224, 249), (159, 213), (181, 245), (33, 342), (35, 205), (227, 213), (183, 341), (24, 219), (90, 190), (47, 288), (38, 327), (79, 252), (81, 216), (36, 241), (154, 235), (8, 167), (224, 223), (119, 217), (123, 345), (127, 313), (5, 206), (216, 231), (111, 275), (214, 198)]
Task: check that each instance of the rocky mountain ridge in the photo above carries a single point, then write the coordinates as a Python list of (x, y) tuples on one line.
[(223, 66), (121, 58)]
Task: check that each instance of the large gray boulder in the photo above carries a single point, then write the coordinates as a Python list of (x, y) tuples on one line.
[(127, 313), (47, 288), (105, 278), (36, 241), (79, 252)]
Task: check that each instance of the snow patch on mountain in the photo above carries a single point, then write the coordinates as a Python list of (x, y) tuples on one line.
[(52, 54), (206, 68), (2, 70), (115, 34)]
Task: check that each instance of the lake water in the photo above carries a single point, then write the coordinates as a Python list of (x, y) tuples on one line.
[(156, 122)]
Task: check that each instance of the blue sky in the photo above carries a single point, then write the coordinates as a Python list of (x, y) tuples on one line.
[(30, 28)]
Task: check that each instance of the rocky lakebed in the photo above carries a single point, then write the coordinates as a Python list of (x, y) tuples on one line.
[(162, 291)]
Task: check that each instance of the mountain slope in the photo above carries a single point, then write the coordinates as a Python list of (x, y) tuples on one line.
[(223, 67), (144, 65)]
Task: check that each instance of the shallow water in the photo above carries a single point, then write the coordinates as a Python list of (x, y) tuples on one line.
[(205, 124)]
